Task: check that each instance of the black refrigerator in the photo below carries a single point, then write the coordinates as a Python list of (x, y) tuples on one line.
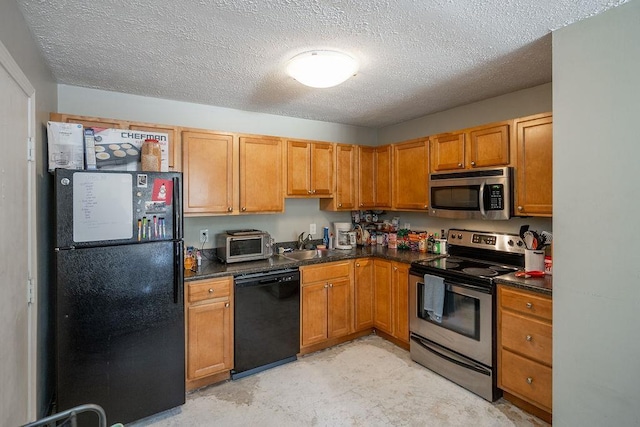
[(119, 292)]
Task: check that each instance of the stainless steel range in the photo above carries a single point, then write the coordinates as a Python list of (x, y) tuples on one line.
[(452, 307)]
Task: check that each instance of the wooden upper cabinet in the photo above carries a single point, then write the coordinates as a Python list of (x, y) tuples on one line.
[(447, 152), (173, 132), (411, 175), (207, 172), (489, 146), (309, 168), (366, 176), (478, 147), (261, 175), (534, 180), (346, 185), (383, 177)]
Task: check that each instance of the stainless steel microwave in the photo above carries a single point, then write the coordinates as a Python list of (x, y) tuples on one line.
[(243, 245), (475, 194)]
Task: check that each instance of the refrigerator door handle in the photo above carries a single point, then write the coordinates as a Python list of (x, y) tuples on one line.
[(177, 210), (178, 277)]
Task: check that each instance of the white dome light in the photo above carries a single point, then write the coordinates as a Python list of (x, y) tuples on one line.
[(322, 68)]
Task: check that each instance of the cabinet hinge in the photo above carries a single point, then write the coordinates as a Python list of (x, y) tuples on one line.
[(31, 150), (29, 291)]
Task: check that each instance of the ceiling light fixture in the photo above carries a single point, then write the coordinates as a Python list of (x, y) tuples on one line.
[(322, 68)]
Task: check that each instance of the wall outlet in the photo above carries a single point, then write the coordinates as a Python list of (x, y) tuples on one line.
[(312, 229), (204, 236)]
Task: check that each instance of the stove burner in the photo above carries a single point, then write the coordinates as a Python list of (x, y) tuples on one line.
[(451, 265), (502, 268), (453, 260), (474, 271)]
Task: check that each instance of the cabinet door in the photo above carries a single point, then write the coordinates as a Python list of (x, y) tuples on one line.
[(401, 301), (298, 167), (321, 169), (261, 175), (383, 176), (209, 339), (339, 308), (489, 146), (172, 145), (447, 152), (534, 141), (314, 314), (207, 172), (410, 175), (382, 308), (346, 177), (366, 177), (88, 122), (363, 294)]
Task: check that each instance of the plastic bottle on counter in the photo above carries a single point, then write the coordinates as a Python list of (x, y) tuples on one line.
[(325, 237), (436, 244)]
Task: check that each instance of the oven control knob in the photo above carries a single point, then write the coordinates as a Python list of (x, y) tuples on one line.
[(519, 243), (510, 242), (459, 235)]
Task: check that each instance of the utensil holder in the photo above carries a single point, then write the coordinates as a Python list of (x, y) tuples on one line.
[(533, 260)]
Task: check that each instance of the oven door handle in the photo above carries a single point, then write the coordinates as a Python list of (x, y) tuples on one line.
[(451, 357), (481, 201), (481, 289)]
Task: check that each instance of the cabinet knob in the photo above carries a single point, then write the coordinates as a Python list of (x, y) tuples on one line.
[(357, 264), (331, 285), (326, 285), (210, 290), (313, 191), (426, 206), (361, 204), (459, 165), (226, 305), (529, 305), (395, 268), (528, 338), (529, 380), (339, 205), (473, 163), (229, 209), (244, 208), (520, 208), (308, 191)]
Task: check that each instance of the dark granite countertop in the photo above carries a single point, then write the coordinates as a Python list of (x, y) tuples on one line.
[(212, 268), (542, 285)]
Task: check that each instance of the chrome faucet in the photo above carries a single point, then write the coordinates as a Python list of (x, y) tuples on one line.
[(302, 241)]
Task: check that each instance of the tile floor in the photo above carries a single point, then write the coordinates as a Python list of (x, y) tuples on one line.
[(367, 382)]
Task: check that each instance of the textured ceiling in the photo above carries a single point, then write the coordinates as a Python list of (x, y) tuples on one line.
[(416, 57)]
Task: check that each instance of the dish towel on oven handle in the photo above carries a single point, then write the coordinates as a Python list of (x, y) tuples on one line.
[(434, 297)]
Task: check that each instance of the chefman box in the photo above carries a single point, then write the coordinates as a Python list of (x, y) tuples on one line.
[(65, 143), (119, 149)]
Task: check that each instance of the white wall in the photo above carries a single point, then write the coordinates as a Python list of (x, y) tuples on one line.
[(596, 295), (100, 103), (516, 104)]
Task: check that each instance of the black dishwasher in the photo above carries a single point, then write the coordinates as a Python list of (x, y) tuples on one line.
[(266, 321)]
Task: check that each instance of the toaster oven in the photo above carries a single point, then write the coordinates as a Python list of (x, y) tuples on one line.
[(243, 245)]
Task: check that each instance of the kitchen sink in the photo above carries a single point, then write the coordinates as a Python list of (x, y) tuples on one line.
[(305, 254)]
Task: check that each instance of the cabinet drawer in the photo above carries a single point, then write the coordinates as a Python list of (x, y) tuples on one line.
[(526, 302), (527, 336), (315, 273), (529, 379), (209, 289)]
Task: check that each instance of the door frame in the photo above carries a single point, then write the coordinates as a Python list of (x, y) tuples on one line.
[(13, 69)]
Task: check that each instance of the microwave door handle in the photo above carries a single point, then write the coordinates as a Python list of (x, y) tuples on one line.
[(481, 201)]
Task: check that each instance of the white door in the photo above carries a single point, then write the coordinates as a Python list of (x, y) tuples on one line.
[(17, 207)]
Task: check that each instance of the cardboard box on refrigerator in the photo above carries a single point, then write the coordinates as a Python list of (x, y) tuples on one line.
[(119, 149), (65, 144)]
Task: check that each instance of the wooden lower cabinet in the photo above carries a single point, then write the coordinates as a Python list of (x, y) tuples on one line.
[(326, 304), (209, 324), (391, 296), (525, 349), (363, 293)]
